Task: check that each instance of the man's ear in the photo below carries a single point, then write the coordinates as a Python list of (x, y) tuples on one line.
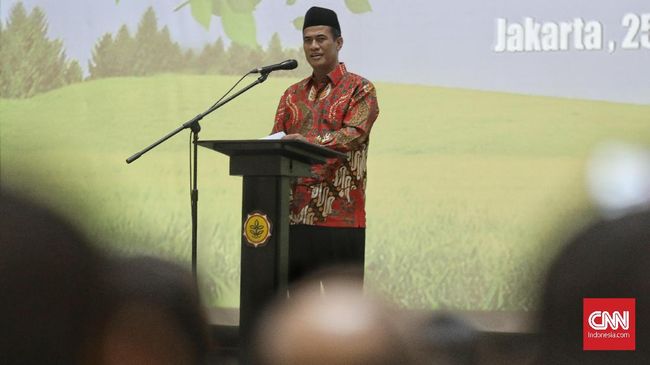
[(339, 43)]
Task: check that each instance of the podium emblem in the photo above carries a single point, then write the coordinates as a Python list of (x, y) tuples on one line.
[(257, 229)]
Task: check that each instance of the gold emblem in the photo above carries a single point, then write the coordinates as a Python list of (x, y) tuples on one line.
[(257, 229)]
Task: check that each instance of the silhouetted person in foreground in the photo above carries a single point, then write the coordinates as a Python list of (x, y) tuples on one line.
[(52, 302), (63, 302), (609, 259), (334, 325), (157, 316)]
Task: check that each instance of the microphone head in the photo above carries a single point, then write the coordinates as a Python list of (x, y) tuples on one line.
[(284, 65), (289, 64)]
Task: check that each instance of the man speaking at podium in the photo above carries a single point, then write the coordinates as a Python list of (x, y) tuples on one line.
[(335, 109)]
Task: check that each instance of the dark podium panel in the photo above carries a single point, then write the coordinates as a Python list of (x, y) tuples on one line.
[(267, 167)]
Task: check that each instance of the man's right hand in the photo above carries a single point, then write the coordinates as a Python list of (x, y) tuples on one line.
[(295, 136)]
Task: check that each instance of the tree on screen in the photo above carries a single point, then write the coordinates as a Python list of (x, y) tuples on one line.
[(30, 62), (237, 18)]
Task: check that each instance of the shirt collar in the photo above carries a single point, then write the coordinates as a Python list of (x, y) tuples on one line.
[(335, 75)]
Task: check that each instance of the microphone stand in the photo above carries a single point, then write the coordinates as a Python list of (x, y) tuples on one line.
[(195, 128)]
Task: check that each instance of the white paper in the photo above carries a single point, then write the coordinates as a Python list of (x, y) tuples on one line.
[(278, 135)]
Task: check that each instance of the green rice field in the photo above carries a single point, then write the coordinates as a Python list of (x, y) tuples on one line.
[(467, 190)]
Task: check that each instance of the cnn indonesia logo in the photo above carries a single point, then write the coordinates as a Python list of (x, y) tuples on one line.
[(609, 324)]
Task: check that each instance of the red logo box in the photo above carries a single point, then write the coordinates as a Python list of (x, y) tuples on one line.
[(608, 324)]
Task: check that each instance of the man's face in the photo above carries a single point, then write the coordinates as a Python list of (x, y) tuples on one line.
[(321, 49)]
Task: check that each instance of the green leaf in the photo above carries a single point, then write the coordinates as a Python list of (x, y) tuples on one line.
[(291, 2), (202, 11), (243, 6), (358, 6), (216, 7), (239, 26), (298, 22)]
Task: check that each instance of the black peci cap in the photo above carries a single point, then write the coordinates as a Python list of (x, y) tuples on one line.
[(321, 16)]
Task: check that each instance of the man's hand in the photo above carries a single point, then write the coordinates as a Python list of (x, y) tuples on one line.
[(297, 136)]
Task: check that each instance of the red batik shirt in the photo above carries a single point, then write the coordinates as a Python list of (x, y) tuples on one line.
[(338, 114)]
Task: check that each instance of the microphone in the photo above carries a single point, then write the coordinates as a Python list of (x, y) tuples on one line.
[(284, 65)]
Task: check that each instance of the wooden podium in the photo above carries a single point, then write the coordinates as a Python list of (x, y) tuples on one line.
[(267, 167)]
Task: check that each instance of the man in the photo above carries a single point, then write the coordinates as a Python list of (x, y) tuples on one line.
[(335, 109)]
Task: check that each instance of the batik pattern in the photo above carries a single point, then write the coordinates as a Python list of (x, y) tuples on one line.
[(338, 114)]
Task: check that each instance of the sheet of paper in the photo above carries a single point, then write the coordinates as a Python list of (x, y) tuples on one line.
[(278, 135)]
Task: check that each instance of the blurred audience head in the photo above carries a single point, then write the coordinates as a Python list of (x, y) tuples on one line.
[(618, 178), (64, 302), (448, 340), (609, 259), (52, 302), (333, 324), (157, 316)]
